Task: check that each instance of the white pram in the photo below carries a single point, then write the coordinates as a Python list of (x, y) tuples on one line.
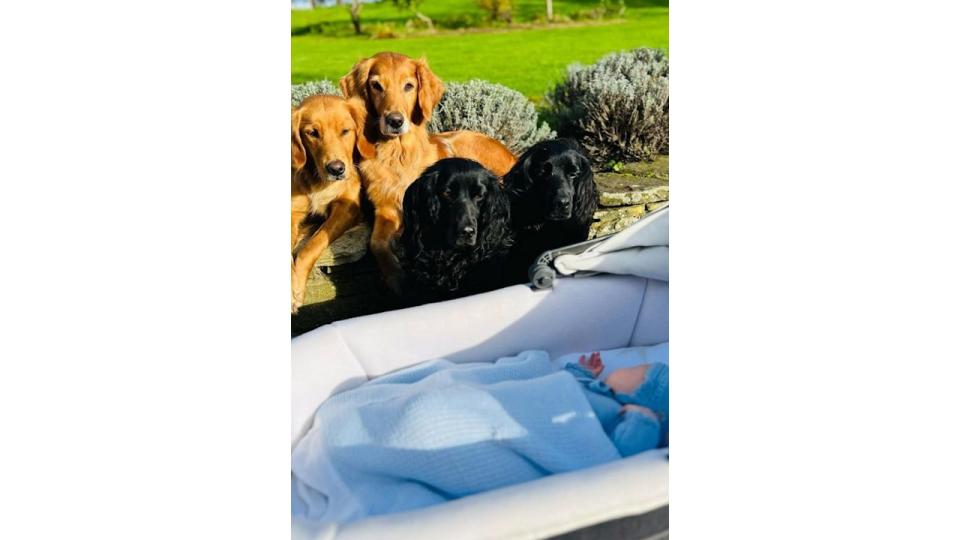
[(616, 296)]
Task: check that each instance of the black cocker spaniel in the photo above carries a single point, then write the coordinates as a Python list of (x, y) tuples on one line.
[(456, 231), (553, 199)]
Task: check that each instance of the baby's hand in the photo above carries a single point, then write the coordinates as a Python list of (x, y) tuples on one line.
[(639, 409), (594, 364)]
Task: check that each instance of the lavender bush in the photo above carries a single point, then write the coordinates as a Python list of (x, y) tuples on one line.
[(618, 108), (491, 109), (300, 92)]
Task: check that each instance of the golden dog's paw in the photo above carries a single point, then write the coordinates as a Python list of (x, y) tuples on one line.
[(296, 297)]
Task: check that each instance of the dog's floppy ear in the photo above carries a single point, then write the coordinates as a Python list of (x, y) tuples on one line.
[(354, 84), (358, 110), (495, 232), (298, 155), (427, 198), (527, 166), (585, 199), (524, 178), (517, 180), (421, 211), (584, 164), (430, 92)]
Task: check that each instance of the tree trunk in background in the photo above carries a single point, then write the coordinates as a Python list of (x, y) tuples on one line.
[(339, 2), (549, 10), (313, 4), (426, 20), (355, 15)]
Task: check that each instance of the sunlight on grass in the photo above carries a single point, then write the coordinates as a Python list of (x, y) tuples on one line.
[(527, 60)]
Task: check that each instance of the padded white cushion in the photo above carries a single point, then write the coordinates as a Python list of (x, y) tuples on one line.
[(322, 365), (653, 321), (481, 328)]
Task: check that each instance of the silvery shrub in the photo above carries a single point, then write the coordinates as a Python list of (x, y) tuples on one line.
[(618, 108), (300, 92), (491, 109)]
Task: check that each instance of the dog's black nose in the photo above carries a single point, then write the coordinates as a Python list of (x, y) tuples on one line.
[(467, 236), (563, 203), (395, 120), (336, 168)]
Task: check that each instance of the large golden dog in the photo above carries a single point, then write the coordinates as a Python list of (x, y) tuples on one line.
[(400, 94), (323, 180)]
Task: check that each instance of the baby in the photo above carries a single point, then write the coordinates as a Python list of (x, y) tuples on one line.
[(632, 404)]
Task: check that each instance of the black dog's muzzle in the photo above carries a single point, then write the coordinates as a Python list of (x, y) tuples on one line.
[(562, 207)]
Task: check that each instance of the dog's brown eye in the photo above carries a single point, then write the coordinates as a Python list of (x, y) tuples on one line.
[(376, 86), (344, 132), (408, 87), (314, 132), (445, 194)]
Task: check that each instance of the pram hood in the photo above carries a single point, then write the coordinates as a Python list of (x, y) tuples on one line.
[(641, 250)]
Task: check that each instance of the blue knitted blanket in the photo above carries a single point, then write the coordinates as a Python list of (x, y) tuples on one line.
[(439, 431)]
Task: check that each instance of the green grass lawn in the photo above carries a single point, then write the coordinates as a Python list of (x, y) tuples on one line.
[(445, 13), (528, 60)]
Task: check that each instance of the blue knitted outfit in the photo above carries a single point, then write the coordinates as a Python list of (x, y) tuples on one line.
[(631, 432)]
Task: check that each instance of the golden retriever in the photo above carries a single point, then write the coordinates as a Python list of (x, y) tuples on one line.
[(400, 94), (323, 179)]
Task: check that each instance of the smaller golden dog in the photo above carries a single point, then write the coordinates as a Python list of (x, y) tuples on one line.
[(323, 179)]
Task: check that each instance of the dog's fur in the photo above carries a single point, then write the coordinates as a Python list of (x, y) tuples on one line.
[(400, 94), (544, 176), (485, 150), (324, 132), (456, 232)]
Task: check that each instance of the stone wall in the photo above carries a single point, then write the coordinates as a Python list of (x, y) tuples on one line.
[(627, 195)]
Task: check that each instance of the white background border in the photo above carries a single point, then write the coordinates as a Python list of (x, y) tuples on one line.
[(145, 382)]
